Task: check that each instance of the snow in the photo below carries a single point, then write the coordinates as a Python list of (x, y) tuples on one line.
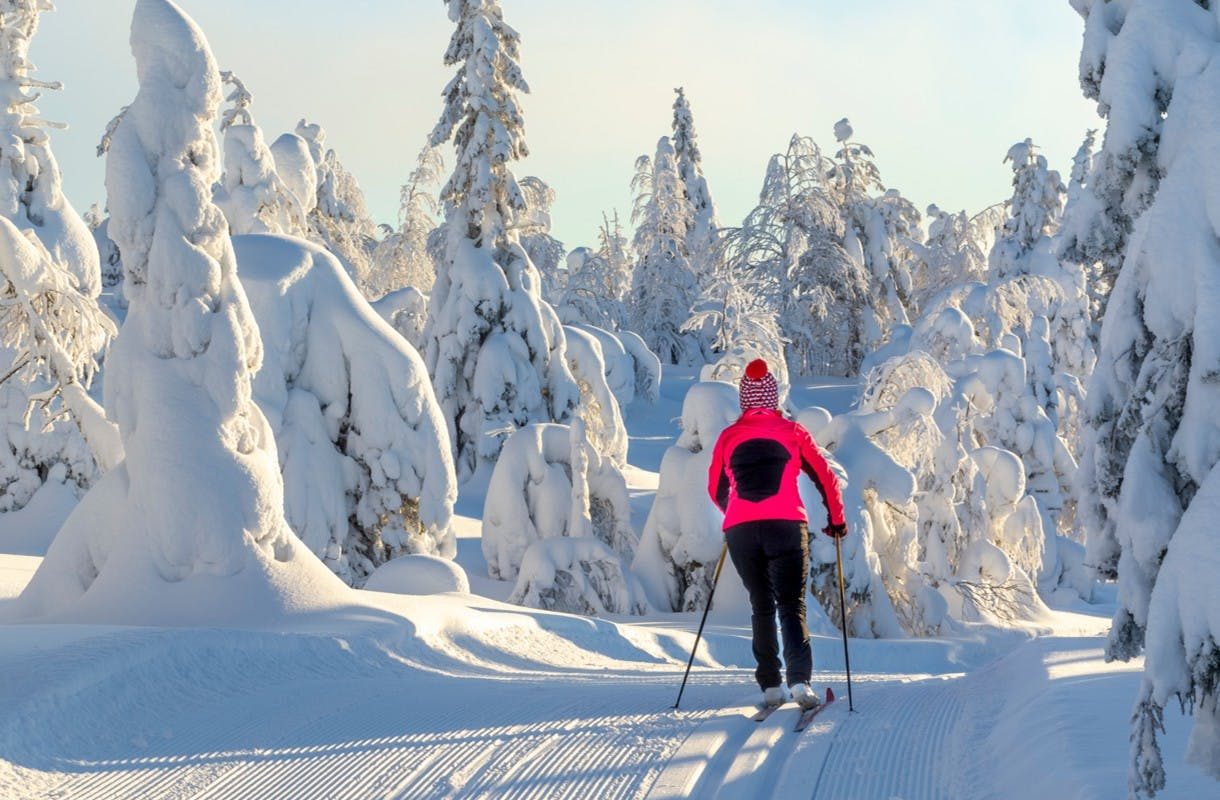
[(171, 623), (189, 528), (362, 446), (443, 694), (418, 574), (534, 494)]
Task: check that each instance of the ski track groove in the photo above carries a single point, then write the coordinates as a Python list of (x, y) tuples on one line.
[(893, 746)]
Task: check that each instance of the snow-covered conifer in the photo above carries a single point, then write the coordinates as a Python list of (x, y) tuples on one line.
[(879, 226), (664, 287), (495, 347), (530, 497), (51, 326), (363, 448), (402, 257), (795, 235), (701, 230), (251, 194), (407, 312), (741, 316), (599, 408), (1024, 246), (886, 593), (190, 528), (598, 280), (681, 542), (1153, 438)]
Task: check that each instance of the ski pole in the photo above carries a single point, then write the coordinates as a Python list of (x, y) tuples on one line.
[(715, 580), (843, 617)]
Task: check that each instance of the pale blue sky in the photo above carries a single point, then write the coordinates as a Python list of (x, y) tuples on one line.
[(938, 88)]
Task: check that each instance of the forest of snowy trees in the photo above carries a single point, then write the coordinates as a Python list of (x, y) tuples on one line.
[(1038, 379)]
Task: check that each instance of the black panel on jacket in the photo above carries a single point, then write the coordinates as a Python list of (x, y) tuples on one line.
[(758, 467)]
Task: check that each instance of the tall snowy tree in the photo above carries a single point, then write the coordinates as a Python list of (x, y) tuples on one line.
[(402, 258), (495, 347), (1153, 438), (878, 228), (1076, 216), (701, 229), (190, 528), (1024, 246), (51, 327), (664, 287)]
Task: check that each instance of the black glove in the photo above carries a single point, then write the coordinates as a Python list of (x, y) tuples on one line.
[(835, 531)]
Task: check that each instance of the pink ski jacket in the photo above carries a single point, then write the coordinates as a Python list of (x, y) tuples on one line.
[(755, 466)]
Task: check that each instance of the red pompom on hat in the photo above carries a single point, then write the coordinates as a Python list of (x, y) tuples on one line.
[(758, 387)]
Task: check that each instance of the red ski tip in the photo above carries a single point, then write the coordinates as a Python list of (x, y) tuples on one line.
[(830, 695)]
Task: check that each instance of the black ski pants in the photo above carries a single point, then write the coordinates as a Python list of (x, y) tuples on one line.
[(772, 557)]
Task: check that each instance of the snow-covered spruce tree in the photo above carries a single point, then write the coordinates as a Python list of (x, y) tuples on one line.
[(599, 408), (534, 231), (190, 528), (1153, 437), (551, 482), (495, 347), (1125, 172), (878, 225), (363, 448), (885, 593), (663, 287), (1024, 246), (402, 257), (701, 229), (407, 312), (51, 327), (251, 194), (339, 219), (1072, 224)]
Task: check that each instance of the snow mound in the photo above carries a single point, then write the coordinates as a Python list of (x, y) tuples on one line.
[(418, 574)]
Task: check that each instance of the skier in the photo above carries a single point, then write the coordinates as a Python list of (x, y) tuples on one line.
[(753, 479)]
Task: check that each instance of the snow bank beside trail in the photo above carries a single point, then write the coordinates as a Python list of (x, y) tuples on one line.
[(364, 451)]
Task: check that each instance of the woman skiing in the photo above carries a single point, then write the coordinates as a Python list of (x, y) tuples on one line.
[(753, 479)]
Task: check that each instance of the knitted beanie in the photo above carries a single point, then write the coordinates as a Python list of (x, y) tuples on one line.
[(758, 387)]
